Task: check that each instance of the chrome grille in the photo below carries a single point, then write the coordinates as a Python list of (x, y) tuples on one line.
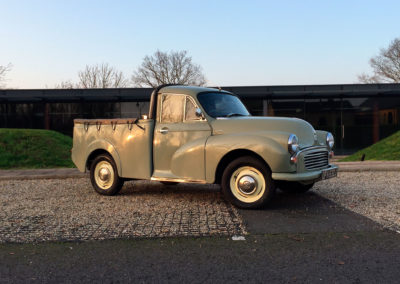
[(316, 160)]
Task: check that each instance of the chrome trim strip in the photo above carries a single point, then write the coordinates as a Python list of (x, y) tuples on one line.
[(178, 180), (316, 158)]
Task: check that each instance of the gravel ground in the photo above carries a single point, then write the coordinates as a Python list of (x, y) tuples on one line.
[(69, 209), (375, 195)]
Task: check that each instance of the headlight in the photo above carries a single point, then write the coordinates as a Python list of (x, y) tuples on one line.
[(293, 144), (330, 141)]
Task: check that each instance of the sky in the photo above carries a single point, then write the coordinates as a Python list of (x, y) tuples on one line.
[(237, 43)]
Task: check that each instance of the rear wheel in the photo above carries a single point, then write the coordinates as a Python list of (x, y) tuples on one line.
[(247, 183), (104, 175), (294, 187)]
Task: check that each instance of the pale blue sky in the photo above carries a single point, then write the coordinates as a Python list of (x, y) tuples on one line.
[(236, 42)]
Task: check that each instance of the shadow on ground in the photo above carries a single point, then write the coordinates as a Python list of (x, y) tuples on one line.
[(304, 213), (286, 213), (154, 187)]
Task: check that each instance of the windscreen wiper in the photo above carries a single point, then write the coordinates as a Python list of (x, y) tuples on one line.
[(235, 114)]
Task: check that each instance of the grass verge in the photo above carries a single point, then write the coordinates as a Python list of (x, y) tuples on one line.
[(387, 149), (34, 149)]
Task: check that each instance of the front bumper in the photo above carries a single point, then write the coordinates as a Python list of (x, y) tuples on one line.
[(302, 177)]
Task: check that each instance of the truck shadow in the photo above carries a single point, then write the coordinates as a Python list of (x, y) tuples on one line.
[(146, 187), (304, 213), (304, 201), (281, 201), (286, 213)]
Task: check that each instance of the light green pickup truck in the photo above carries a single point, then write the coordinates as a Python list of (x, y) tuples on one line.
[(204, 135)]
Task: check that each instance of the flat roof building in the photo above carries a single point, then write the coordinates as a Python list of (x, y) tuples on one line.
[(357, 114)]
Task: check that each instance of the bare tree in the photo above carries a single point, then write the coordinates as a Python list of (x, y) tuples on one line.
[(3, 72), (386, 65), (66, 85), (101, 76), (168, 68)]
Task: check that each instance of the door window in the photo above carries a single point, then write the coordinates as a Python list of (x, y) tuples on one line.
[(172, 108)]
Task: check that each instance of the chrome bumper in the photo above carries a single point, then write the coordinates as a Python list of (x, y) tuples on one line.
[(305, 176)]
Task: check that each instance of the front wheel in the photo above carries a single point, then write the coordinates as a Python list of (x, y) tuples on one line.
[(294, 187), (104, 176), (247, 183)]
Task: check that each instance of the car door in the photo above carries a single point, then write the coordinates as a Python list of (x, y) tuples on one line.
[(179, 139)]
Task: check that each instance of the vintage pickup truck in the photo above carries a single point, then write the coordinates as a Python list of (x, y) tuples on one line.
[(204, 135)]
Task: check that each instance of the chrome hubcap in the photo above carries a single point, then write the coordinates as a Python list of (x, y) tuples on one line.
[(247, 184), (104, 174)]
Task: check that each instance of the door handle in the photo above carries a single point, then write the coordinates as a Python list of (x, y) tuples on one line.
[(164, 130)]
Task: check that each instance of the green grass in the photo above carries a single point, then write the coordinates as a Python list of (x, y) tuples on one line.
[(387, 149), (34, 149)]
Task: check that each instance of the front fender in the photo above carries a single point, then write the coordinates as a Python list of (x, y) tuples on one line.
[(272, 151), (102, 144)]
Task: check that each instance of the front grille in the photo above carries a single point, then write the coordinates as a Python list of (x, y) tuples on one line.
[(316, 160)]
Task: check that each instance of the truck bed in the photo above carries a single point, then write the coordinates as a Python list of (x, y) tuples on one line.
[(105, 121), (124, 138)]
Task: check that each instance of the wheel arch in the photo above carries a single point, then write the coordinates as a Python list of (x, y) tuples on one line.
[(103, 147), (233, 155), (93, 156), (222, 147)]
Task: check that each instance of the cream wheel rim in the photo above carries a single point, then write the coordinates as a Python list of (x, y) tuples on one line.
[(104, 175), (247, 184)]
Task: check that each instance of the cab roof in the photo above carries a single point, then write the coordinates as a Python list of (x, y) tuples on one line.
[(188, 90)]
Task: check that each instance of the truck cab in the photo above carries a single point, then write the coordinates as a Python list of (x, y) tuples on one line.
[(204, 135)]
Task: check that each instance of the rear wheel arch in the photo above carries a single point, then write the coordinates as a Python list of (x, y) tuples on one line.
[(93, 156), (102, 146)]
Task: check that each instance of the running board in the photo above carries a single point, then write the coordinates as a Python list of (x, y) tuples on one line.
[(178, 180)]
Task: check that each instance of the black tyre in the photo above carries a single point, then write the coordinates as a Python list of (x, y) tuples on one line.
[(247, 183), (169, 182), (104, 175), (293, 187)]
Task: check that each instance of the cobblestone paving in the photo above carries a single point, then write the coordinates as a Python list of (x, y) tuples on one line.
[(69, 209)]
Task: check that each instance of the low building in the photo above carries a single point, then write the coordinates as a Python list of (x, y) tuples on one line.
[(357, 114)]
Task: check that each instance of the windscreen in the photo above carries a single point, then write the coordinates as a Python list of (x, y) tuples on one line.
[(222, 105)]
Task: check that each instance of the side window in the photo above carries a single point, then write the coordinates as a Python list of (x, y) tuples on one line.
[(190, 111), (172, 108)]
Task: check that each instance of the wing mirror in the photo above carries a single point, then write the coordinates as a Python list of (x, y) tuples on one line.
[(199, 113)]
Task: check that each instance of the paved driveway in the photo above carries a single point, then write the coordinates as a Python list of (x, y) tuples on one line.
[(314, 242), (298, 238)]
